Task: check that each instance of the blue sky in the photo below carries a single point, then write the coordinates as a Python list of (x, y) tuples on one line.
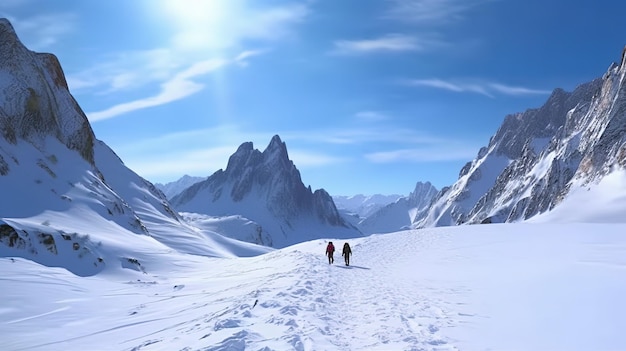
[(370, 96)]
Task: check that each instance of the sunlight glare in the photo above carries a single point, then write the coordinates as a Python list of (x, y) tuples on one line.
[(194, 12), (202, 23)]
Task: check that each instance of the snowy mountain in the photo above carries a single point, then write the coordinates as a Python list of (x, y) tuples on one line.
[(363, 205), (538, 157), (553, 283), (172, 189), (266, 188), (69, 201), (400, 214)]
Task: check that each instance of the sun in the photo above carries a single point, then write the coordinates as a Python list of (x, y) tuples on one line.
[(196, 12), (203, 24)]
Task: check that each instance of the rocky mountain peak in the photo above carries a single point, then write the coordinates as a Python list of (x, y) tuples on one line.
[(60, 182), (265, 187), (9, 42), (277, 147), (537, 156), (35, 99)]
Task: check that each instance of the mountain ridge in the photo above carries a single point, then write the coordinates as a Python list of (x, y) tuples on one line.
[(537, 156), (60, 180), (266, 188)]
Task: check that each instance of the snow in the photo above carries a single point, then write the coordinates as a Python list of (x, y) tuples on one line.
[(554, 283), (485, 287), (602, 202), (92, 258)]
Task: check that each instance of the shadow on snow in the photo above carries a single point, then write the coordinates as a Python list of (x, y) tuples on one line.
[(350, 267)]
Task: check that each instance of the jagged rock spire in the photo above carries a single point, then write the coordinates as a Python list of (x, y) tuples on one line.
[(263, 185)]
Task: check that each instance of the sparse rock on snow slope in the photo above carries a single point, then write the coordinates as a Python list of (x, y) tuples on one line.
[(402, 213), (266, 188), (536, 157), (61, 186)]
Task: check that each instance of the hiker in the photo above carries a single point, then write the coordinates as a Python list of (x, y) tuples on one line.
[(347, 251), (330, 250)]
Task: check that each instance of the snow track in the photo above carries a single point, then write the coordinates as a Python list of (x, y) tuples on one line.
[(474, 288), (334, 307)]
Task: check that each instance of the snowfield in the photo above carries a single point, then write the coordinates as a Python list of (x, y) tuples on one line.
[(485, 287)]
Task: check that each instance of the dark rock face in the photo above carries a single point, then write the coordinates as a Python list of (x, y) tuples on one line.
[(35, 100), (49, 154), (536, 156), (267, 181)]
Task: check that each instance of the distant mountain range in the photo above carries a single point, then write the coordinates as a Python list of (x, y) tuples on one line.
[(266, 188), (364, 205), (529, 166), (59, 182), (402, 213), (172, 189)]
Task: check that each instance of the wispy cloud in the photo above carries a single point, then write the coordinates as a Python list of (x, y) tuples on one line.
[(515, 90), (488, 89), (430, 12), (426, 18), (450, 86), (204, 151), (224, 26), (404, 144), (387, 43), (128, 70), (167, 166), (180, 86), (371, 116), (440, 153), (273, 23), (366, 135), (41, 32), (309, 159), (242, 58)]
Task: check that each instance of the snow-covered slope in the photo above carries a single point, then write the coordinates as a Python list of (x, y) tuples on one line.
[(402, 213), (69, 201), (364, 205), (522, 286), (266, 189), (538, 157), (498, 287), (172, 189)]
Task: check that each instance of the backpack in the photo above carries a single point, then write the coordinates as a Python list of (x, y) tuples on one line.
[(330, 247), (346, 248)]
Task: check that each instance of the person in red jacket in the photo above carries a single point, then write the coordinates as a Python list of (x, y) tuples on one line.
[(330, 250)]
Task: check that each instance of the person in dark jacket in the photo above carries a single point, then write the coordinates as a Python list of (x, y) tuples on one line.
[(330, 250), (347, 251)]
